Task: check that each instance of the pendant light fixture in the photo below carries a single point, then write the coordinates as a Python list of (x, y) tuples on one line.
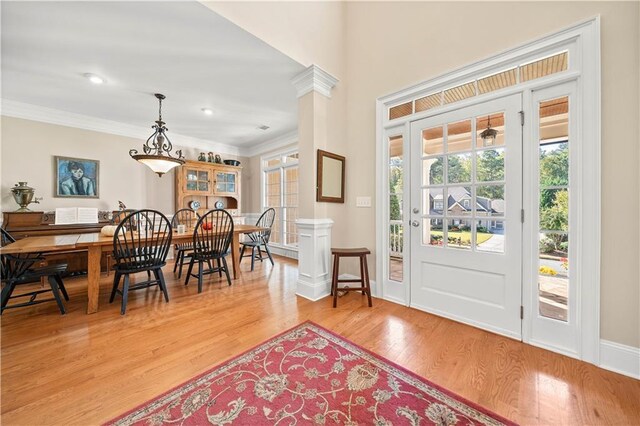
[(488, 135), (157, 149)]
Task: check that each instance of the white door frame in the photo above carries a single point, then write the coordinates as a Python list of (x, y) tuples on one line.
[(583, 43)]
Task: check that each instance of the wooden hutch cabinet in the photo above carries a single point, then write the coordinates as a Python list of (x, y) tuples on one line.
[(208, 183)]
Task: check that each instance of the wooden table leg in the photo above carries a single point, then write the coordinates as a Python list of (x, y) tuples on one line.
[(93, 278), (235, 255)]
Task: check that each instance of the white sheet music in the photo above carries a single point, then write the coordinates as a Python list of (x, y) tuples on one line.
[(66, 215), (87, 215), (72, 215)]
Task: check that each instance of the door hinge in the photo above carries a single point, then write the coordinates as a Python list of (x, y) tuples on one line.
[(521, 312), (521, 118), (521, 215)]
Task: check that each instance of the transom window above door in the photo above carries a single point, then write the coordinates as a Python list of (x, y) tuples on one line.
[(463, 184)]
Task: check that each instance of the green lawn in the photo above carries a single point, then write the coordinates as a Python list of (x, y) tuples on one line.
[(481, 237)]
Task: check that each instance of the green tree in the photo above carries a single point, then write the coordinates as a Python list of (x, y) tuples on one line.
[(554, 171), (459, 168), (556, 218), (395, 187), (490, 166), (436, 172)]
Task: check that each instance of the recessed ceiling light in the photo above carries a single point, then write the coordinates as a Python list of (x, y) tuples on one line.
[(263, 127), (207, 111), (95, 79)]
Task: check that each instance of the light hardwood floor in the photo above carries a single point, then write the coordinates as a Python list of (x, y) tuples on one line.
[(86, 369)]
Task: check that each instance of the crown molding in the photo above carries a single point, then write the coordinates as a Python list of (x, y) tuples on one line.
[(271, 145), (314, 78), (26, 111)]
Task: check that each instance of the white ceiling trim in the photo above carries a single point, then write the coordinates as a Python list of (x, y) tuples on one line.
[(314, 78), (54, 116), (272, 145)]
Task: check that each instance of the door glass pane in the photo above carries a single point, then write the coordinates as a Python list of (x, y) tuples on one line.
[(553, 275), (490, 165), (459, 136), (192, 175), (459, 233), (554, 163), (490, 200), (433, 201), (484, 125), (459, 168), (191, 186), (432, 141), (472, 194), (203, 175), (554, 237), (433, 171), (231, 187), (203, 186), (459, 201), (490, 235), (396, 231), (432, 232)]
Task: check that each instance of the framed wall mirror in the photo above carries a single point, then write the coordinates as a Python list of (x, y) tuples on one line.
[(330, 179)]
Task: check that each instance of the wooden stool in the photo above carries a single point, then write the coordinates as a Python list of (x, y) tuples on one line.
[(364, 272)]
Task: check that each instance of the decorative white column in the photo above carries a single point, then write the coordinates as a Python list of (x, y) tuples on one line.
[(314, 87), (314, 258)]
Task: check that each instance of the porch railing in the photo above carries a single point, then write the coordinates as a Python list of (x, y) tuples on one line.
[(395, 238)]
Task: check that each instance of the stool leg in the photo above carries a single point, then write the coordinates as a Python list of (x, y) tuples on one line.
[(333, 274), (366, 271), (362, 282), (335, 281)]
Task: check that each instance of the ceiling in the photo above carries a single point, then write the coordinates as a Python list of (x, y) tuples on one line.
[(183, 50)]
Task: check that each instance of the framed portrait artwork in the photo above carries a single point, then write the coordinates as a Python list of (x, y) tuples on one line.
[(77, 177)]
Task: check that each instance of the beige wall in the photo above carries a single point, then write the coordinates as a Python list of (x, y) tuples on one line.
[(391, 45), (28, 150), (421, 48)]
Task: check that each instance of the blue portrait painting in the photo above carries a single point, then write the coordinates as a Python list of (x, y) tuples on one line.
[(77, 177)]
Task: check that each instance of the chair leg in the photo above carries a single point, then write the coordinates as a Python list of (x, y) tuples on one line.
[(6, 294), (226, 270), (125, 294), (266, 248), (260, 254), (182, 255), (219, 268), (200, 276), (242, 253), (175, 265), (116, 282), (108, 264), (189, 271), (56, 293), (366, 272), (61, 287), (253, 256), (162, 283)]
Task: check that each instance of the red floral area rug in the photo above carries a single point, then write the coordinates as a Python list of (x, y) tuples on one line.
[(309, 375)]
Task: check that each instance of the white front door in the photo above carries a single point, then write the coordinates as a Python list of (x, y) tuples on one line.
[(466, 201)]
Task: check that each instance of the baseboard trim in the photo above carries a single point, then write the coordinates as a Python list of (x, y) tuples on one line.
[(620, 358)]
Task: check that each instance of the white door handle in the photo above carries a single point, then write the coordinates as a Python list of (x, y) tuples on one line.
[(415, 223)]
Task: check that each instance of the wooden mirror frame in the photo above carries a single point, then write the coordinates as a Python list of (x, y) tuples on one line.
[(322, 179)]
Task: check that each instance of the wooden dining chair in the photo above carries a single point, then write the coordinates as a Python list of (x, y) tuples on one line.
[(189, 218), (140, 244), (20, 269), (211, 240), (116, 218), (259, 239)]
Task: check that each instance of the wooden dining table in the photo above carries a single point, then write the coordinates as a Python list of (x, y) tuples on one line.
[(96, 243)]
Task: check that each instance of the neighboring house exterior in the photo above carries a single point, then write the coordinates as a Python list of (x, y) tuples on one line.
[(459, 203)]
